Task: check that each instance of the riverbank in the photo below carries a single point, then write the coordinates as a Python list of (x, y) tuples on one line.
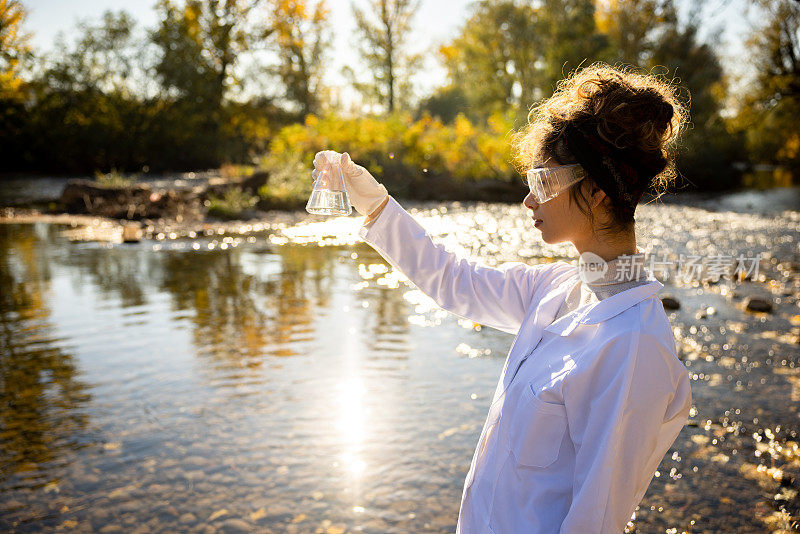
[(180, 205), (176, 206)]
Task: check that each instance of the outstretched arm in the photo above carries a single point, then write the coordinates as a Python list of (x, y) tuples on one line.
[(496, 297)]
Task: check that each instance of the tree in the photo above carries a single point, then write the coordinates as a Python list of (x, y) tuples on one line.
[(571, 38), (14, 47), (103, 59), (200, 43), (446, 103), (770, 113), (632, 26), (383, 34), (511, 53), (777, 50), (302, 38), (81, 100), (649, 34), (710, 148), (486, 61)]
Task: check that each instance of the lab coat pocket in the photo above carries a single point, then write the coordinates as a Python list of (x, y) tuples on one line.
[(537, 430)]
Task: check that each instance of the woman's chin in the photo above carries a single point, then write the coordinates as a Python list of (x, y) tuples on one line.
[(550, 240)]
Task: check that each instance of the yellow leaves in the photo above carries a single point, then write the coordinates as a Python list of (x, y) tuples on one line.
[(448, 52), (10, 85), (500, 123), (608, 13), (292, 8), (423, 147), (321, 12), (12, 14), (463, 126), (719, 91), (13, 44), (290, 138), (295, 12), (191, 15), (603, 23), (791, 146)]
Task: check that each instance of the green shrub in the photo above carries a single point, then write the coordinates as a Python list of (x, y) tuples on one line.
[(231, 171), (113, 179), (290, 182), (232, 204)]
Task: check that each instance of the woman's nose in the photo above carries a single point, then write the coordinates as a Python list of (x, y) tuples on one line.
[(530, 202)]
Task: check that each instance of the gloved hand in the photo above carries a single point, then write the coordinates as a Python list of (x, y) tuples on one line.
[(365, 193)]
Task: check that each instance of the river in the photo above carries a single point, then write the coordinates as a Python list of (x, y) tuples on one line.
[(289, 380)]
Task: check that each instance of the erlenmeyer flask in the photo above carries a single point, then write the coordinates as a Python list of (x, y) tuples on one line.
[(329, 196)]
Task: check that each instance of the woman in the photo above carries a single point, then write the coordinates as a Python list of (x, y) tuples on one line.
[(592, 394)]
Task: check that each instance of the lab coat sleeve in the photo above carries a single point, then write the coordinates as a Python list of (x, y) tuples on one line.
[(624, 412), (498, 298)]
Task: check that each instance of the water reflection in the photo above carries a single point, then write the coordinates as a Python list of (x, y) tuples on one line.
[(239, 314), (42, 398)]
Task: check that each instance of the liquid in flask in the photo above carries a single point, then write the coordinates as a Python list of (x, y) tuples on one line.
[(329, 195)]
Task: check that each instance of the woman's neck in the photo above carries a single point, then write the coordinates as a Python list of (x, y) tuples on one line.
[(625, 244)]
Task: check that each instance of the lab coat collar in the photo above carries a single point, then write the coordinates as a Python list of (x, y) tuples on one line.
[(605, 309)]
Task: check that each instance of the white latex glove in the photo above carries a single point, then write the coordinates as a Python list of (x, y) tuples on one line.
[(365, 193)]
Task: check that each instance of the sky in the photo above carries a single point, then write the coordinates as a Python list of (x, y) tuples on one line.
[(437, 22)]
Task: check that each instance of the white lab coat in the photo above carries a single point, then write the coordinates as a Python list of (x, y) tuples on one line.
[(586, 406)]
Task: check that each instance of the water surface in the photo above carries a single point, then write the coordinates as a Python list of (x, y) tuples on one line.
[(290, 381)]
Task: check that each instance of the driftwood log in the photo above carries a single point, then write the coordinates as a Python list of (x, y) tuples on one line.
[(140, 201), (134, 202)]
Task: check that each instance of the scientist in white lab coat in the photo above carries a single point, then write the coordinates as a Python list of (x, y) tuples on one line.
[(592, 394)]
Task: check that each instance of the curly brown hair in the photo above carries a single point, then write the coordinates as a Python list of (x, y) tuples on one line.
[(637, 115)]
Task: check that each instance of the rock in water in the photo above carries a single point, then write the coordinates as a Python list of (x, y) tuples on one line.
[(670, 302), (131, 233), (758, 304), (235, 526)]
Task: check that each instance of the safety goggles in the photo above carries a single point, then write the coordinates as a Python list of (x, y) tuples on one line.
[(547, 183)]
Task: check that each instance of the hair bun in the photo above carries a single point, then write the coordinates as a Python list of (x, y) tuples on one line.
[(664, 115), (640, 115)]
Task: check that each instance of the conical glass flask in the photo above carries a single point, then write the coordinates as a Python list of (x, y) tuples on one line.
[(329, 196)]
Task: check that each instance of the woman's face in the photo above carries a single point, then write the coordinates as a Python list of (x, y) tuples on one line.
[(559, 219)]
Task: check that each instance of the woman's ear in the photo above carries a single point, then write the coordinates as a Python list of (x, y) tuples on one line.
[(596, 195)]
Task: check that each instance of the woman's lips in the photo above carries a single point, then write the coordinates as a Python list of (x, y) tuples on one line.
[(537, 222)]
